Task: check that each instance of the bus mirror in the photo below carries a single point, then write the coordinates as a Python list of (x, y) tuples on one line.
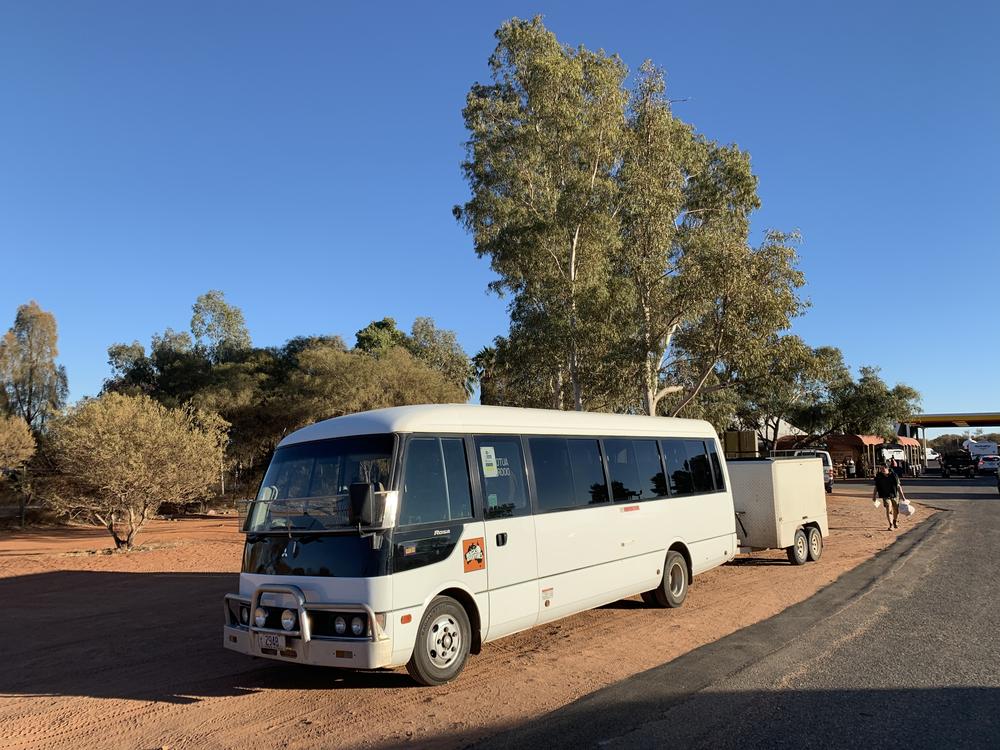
[(366, 504)]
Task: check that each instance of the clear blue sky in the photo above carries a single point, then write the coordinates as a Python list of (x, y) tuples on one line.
[(304, 158)]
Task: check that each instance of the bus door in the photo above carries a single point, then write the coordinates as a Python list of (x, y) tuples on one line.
[(511, 562)]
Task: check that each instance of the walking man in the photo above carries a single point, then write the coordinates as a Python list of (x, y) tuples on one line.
[(888, 488)]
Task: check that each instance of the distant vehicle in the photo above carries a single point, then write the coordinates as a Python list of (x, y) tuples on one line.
[(811, 453), (979, 448), (988, 464), (932, 455), (957, 462)]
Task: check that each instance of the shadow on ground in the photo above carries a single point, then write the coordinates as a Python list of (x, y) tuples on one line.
[(908, 718), (144, 636)]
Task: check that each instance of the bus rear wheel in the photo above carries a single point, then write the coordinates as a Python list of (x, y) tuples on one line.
[(673, 587), (442, 645)]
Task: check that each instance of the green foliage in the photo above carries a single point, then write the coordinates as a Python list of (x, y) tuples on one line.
[(379, 336), (866, 406), (17, 444), (330, 382), (120, 457), (544, 142), (32, 385), (264, 393), (620, 235), (439, 349), (219, 326), (794, 378)]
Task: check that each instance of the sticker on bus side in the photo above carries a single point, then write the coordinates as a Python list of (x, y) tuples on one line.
[(473, 554), (489, 459)]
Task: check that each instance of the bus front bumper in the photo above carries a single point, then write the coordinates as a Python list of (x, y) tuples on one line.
[(351, 654), (302, 646)]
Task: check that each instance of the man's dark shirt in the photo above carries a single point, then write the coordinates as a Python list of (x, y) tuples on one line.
[(886, 485)]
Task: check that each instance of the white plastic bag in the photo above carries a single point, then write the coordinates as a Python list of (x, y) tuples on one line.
[(906, 508)]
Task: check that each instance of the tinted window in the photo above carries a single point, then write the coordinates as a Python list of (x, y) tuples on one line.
[(698, 463), (457, 474), (435, 482), (568, 473), (720, 482), (652, 481), (553, 474), (588, 472), (501, 470), (624, 470), (678, 474)]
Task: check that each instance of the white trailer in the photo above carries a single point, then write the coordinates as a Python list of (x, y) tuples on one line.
[(780, 504)]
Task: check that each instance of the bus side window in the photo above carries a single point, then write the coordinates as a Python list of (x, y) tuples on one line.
[(588, 472), (501, 471), (652, 482), (553, 474), (701, 470), (713, 452), (678, 471), (433, 493), (457, 472), (624, 470)]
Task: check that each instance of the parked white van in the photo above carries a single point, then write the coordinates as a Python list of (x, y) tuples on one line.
[(413, 535)]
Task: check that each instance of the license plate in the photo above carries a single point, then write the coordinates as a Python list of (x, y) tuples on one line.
[(269, 640)]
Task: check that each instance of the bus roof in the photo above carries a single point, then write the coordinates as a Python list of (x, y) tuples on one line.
[(472, 418)]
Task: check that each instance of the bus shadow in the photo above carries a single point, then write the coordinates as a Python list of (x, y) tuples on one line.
[(142, 636), (752, 562)]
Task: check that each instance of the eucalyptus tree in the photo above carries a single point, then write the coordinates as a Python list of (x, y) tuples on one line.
[(544, 141), (219, 326), (32, 385), (621, 235)]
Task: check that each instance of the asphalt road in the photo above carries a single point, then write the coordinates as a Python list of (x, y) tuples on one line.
[(903, 651)]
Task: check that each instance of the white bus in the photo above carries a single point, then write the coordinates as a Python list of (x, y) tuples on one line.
[(413, 535)]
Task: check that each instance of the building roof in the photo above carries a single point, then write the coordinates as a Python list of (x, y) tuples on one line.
[(903, 440), (970, 419), (864, 440), (470, 418)]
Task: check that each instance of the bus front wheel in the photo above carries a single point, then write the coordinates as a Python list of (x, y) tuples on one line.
[(443, 642), (673, 587)]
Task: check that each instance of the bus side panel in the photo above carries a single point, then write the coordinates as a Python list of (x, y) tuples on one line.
[(512, 569), (575, 591), (707, 525), (412, 590), (584, 540)]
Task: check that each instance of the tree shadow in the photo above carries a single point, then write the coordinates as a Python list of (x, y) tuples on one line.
[(142, 636)]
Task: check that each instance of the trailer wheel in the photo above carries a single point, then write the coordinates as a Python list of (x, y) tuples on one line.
[(443, 642), (815, 543), (798, 553), (673, 587)]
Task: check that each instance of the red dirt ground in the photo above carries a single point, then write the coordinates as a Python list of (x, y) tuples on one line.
[(126, 650)]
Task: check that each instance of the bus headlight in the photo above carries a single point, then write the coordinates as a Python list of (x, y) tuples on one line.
[(288, 619), (357, 626), (260, 617), (340, 625)]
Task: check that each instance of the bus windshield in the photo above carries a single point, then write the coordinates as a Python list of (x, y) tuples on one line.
[(306, 485)]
